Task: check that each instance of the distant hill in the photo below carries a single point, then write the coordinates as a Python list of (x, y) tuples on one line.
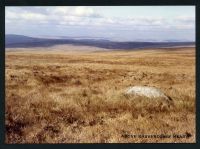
[(20, 41)]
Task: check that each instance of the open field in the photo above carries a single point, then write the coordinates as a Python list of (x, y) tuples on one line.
[(77, 97)]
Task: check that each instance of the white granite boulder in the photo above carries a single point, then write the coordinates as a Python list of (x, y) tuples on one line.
[(149, 98), (145, 91)]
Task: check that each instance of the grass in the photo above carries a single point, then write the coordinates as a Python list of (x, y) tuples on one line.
[(77, 97)]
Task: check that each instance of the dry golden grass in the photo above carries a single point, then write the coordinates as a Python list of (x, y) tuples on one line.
[(77, 97)]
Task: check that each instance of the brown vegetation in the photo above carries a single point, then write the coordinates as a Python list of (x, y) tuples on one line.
[(77, 97)]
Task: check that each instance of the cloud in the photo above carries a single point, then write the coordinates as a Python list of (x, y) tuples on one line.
[(89, 17), (79, 11), (60, 15), (24, 16), (85, 11), (185, 18)]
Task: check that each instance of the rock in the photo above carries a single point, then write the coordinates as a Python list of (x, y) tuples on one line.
[(151, 99), (150, 92)]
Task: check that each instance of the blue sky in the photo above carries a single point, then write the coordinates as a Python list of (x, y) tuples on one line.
[(121, 23)]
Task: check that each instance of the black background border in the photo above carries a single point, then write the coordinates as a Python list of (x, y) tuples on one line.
[(5, 3)]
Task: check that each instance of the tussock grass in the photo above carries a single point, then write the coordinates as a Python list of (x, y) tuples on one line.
[(69, 97)]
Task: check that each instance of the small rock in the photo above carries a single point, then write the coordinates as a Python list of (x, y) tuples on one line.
[(150, 92)]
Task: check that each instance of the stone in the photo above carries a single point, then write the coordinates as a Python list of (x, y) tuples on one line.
[(150, 92)]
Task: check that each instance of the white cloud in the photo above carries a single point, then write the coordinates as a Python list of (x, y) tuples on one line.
[(87, 16), (24, 16), (185, 18), (84, 11), (58, 10), (32, 16)]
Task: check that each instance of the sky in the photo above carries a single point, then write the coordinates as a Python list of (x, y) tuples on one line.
[(118, 23)]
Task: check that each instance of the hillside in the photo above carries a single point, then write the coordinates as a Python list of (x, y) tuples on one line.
[(20, 41), (77, 97)]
